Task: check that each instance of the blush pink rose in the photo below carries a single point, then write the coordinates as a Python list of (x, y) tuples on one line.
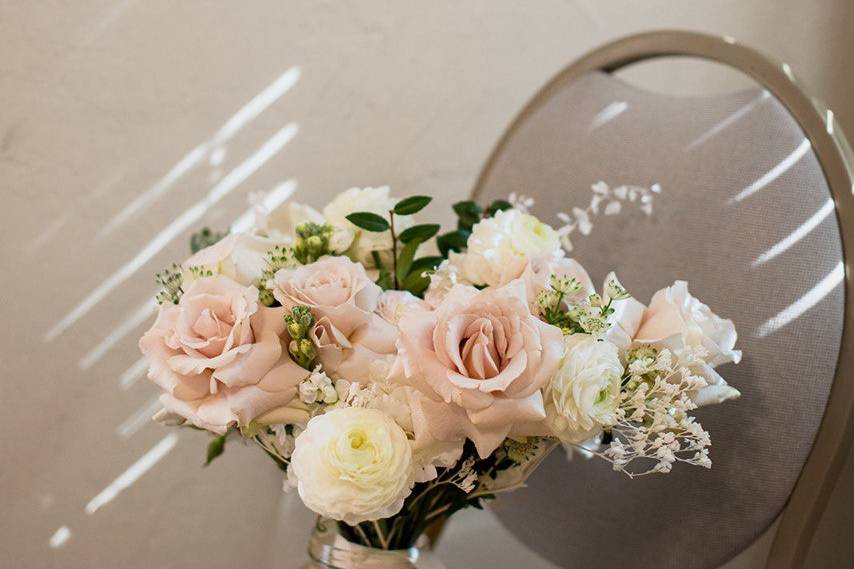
[(353, 341), (481, 359), (218, 355)]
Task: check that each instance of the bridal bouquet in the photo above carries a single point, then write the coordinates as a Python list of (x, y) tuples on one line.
[(397, 374)]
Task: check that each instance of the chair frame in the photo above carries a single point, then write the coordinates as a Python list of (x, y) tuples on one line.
[(808, 500)]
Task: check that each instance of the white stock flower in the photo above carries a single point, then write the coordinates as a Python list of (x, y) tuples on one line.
[(353, 464), (500, 247), (584, 394), (358, 243)]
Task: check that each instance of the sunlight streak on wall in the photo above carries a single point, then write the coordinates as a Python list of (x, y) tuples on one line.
[(212, 148), (127, 478), (234, 178), (127, 325)]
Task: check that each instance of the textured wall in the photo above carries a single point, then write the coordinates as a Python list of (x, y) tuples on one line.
[(126, 125)]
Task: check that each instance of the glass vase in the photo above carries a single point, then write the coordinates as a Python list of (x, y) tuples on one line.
[(328, 549)]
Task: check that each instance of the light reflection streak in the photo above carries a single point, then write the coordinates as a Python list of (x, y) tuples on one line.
[(133, 374), (127, 478), (608, 114), (138, 419), (774, 172), (270, 201), (213, 148), (796, 235), (234, 178), (733, 118), (128, 324), (807, 301), (59, 537)]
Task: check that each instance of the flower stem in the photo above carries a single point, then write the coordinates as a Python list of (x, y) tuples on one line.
[(393, 249)]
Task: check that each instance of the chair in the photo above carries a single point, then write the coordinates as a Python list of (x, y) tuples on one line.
[(756, 211)]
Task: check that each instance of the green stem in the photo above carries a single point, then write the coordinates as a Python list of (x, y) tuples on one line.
[(393, 250)]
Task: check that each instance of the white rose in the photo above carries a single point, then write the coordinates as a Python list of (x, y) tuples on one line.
[(584, 394), (353, 464), (678, 321), (500, 247), (241, 257), (358, 243)]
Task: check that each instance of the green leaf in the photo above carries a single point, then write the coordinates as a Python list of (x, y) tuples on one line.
[(415, 283), (468, 212), (404, 261), (368, 221), (498, 205), (420, 233), (453, 241), (425, 264), (215, 448), (408, 206)]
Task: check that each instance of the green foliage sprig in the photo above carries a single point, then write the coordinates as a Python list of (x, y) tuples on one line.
[(406, 272)]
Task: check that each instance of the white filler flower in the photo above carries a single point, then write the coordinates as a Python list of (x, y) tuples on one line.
[(353, 464), (584, 394)]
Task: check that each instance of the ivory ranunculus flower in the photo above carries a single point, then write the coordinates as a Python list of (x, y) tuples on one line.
[(676, 320), (500, 247), (353, 465), (584, 394), (218, 355), (480, 359)]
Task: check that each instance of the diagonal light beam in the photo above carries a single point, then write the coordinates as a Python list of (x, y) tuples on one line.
[(211, 147), (234, 178)]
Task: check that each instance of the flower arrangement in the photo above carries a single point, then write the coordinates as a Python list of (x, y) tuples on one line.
[(396, 374)]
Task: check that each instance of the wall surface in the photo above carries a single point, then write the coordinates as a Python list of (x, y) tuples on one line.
[(127, 125)]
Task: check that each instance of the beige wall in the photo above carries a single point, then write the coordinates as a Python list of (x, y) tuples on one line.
[(115, 120)]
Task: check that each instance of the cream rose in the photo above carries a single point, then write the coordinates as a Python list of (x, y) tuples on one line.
[(352, 340), (500, 247), (678, 321), (360, 244), (218, 355), (353, 465), (239, 256), (480, 359), (583, 396)]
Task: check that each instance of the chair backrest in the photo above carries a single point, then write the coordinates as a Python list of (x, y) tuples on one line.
[(756, 212)]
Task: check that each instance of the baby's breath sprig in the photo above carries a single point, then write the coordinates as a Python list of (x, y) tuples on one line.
[(171, 280), (280, 257)]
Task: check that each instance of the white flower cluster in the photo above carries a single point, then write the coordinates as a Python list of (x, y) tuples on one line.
[(654, 429)]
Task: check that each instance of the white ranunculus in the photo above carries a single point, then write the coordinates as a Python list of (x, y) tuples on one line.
[(353, 464), (500, 247), (584, 394), (678, 321), (358, 243)]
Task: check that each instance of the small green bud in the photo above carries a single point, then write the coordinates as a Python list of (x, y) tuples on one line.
[(314, 245), (265, 297)]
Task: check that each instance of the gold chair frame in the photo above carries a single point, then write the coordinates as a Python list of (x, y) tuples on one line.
[(808, 500)]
